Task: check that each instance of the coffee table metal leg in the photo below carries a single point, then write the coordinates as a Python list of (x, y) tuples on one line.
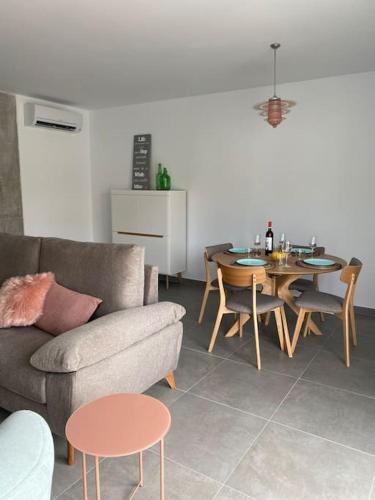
[(97, 478), (84, 476), (140, 482), (140, 468), (162, 469)]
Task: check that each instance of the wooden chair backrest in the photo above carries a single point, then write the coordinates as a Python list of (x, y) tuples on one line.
[(351, 271), (207, 267), (349, 275), (242, 276), (209, 252), (214, 249)]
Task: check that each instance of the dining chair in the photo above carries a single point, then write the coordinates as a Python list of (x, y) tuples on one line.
[(303, 284), (342, 308), (211, 283), (248, 303)]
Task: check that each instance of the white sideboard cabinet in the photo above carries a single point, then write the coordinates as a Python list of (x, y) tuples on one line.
[(155, 220)]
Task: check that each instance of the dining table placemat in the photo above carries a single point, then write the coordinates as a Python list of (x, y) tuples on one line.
[(233, 254), (266, 266)]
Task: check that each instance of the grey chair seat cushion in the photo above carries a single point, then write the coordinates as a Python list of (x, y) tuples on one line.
[(242, 302), (320, 301), (17, 345), (302, 285)]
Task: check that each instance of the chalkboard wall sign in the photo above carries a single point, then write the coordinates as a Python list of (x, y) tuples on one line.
[(141, 161)]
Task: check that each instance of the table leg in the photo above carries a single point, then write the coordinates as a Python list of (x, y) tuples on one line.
[(233, 330), (162, 469), (282, 289), (84, 476), (140, 468), (140, 482), (97, 478), (269, 286), (286, 333)]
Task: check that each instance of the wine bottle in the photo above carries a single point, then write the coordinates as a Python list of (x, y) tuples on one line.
[(158, 176), (165, 180), (269, 239)]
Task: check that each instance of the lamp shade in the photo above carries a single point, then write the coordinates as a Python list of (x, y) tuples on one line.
[(274, 110), (274, 115)]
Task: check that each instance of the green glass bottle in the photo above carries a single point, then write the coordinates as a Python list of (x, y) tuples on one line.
[(165, 180), (158, 176)]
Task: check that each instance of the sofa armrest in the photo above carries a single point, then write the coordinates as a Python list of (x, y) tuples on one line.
[(151, 293), (104, 337)]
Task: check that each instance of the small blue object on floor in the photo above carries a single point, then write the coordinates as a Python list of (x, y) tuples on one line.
[(26, 457)]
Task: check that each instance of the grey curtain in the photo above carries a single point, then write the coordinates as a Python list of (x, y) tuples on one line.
[(11, 220)]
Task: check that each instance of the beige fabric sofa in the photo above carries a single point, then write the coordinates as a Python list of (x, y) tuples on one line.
[(132, 342)]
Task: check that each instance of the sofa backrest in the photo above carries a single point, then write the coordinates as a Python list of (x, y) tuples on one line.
[(19, 255), (113, 273)]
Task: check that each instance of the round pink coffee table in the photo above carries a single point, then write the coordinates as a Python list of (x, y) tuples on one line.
[(117, 426)]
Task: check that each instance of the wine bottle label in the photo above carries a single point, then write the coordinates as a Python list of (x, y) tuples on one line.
[(269, 243)]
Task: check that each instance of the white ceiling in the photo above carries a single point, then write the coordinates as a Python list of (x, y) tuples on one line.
[(102, 53)]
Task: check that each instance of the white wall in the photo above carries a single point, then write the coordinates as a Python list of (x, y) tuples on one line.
[(314, 174), (55, 179)]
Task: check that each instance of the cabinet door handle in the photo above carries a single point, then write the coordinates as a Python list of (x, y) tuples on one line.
[(141, 234)]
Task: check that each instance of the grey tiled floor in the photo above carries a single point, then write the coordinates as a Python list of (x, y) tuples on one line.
[(301, 428)]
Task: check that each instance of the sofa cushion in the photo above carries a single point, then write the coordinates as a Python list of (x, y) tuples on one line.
[(65, 309), (16, 373), (105, 337), (19, 255), (22, 299), (115, 273)]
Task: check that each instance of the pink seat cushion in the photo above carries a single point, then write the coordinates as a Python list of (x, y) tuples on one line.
[(65, 309), (22, 299)]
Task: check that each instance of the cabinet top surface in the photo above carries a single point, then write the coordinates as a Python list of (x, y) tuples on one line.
[(146, 192)]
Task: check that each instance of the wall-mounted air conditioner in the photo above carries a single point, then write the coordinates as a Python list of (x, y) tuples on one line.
[(39, 115)]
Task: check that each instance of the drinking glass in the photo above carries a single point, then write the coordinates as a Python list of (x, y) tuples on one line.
[(286, 250), (280, 258), (312, 244), (257, 244), (281, 241)]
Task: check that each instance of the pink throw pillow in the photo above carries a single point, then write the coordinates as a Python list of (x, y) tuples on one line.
[(65, 309), (22, 299)]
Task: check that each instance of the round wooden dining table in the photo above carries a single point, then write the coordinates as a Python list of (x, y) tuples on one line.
[(280, 277)]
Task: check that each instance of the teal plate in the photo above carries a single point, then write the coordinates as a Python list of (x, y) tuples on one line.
[(319, 262), (302, 250), (239, 250), (251, 262)]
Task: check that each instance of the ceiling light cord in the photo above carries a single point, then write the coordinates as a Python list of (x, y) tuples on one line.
[(274, 72)]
